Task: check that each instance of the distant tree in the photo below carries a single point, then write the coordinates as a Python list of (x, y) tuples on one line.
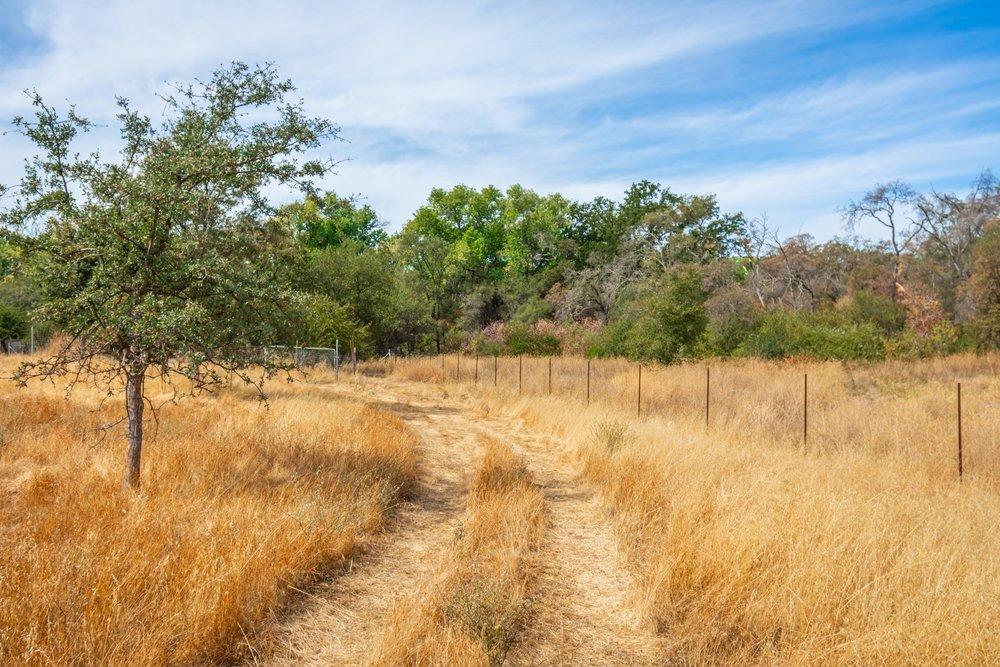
[(168, 262), (367, 280), (13, 324), (691, 229), (431, 268), (888, 204), (950, 226), (601, 227), (322, 221), (595, 290), (986, 285)]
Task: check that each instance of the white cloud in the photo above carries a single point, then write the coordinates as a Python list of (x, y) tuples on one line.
[(431, 94)]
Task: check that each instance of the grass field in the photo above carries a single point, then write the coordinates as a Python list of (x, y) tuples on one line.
[(659, 537), (745, 545), (241, 504), (903, 412)]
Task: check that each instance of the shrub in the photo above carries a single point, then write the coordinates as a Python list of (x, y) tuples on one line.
[(821, 336), (732, 317), (881, 311), (13, 322), (521, 338)]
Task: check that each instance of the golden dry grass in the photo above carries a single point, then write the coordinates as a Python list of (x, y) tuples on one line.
[(240, 504), (472, 611), (746, 548)]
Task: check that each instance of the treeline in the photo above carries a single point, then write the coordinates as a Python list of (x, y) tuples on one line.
[(656, 275)]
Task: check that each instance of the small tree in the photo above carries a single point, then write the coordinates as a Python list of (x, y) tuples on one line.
[(166, 263), (887, 204), (986, 285)]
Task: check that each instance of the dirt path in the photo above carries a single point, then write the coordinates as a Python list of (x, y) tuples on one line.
[(341, 619), (581, 613)]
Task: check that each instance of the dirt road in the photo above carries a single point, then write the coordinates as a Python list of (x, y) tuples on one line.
[(580, 612)]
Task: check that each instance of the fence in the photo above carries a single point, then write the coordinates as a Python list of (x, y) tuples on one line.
[(896, 408)]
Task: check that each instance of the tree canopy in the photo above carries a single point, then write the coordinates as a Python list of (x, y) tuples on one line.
[(168, 261)]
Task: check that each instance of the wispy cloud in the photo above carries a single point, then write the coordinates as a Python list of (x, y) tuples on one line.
[(577, 96)]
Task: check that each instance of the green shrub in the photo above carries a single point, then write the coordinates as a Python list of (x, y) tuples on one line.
[(13, 321), (880, 311), (821, 336), (522, 338), (532, 310)]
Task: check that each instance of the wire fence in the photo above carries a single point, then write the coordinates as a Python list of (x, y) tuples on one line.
[(935, 410)]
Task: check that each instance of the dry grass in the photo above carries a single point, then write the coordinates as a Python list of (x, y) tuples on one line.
[(471, 613), (746, 549), (240, 504), (900, 411)]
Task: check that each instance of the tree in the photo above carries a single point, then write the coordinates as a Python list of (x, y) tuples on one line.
[(431, 268), (986, 285), (13, 324), (168, 262), (327, 220), (886, 204), (691, 229), (595, 290), (950, 226), (602, 227)]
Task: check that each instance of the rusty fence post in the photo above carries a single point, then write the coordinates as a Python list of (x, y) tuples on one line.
[(588, 380), (550, 376), (638, 398), (805, 409), (959, 394), (708, 392), (520, 373)]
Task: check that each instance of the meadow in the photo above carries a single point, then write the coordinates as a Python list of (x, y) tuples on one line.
[(242, 505), (748, 545), (742, 542)]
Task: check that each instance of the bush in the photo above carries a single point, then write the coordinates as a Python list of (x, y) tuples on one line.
[(820, 336), (666, 324), (327, 322), (733, 315), (880, 311), (533, 310), (13, 322), (522, 338), (943, 338)]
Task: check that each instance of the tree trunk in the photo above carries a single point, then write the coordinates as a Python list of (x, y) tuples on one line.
[(133, 437)]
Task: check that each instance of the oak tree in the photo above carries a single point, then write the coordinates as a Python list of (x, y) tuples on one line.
[(165, 262)]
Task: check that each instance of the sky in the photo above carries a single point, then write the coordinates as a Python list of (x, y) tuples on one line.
[(787, 109)]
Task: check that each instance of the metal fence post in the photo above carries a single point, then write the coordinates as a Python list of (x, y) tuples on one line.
[(708, 395), (550, 376), (805, 409), (638, 398), (588, 381), (959, 389)]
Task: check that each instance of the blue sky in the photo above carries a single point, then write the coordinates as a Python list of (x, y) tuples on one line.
[(783, 108)]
